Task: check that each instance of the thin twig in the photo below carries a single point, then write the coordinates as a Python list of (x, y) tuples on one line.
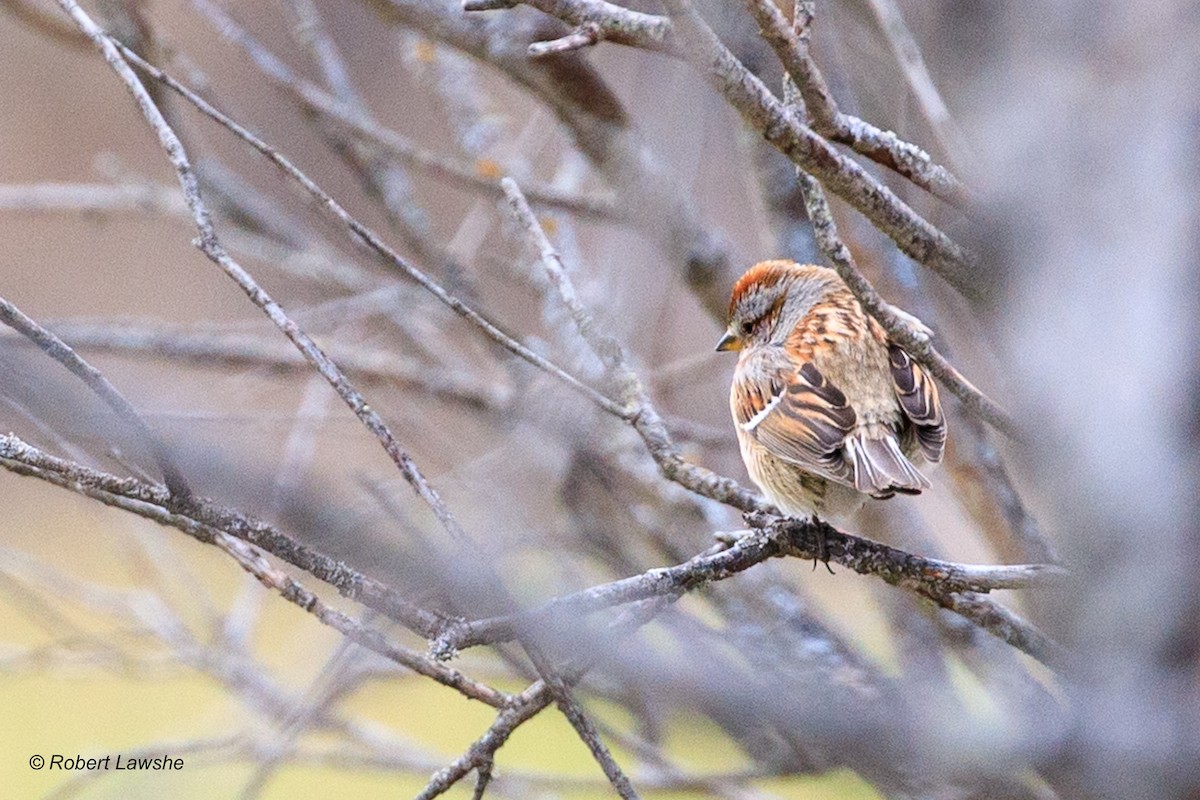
[(571, 708), (92, 198), (481, 754), (233, 349), (527, 704), (605, 347), (57, 349), (908, 56), (610, 353), (585, 35), (1008, 626)]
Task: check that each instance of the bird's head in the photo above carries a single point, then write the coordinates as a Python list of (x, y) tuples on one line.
[(769, 299)]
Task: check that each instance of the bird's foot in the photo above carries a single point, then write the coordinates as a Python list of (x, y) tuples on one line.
[(822, 555)]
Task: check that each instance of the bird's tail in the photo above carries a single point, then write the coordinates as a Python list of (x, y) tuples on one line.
[(880, 469)]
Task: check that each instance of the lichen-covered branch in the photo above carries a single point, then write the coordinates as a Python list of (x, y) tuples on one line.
[(612, 22), (773, 537), (767, 115)]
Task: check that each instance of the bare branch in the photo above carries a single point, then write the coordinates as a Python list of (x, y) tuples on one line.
[(585, 35), (248, 350), (57, 349), (634, 409), (481, 754), (909, 57), (612, 22), (526, 705), (580, 721), (92, 198), (883, 147), (775, 537), (764, 113), (201, 515), (604, 346), (357, 120)]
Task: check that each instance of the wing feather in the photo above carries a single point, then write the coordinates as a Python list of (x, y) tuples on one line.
[(918, 395), (797, 415)]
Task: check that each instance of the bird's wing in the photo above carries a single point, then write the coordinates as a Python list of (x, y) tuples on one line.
[(802, 418), (918, 396), (796, 414)]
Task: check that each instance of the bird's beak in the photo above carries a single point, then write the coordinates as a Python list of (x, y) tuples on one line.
[(729, 341)]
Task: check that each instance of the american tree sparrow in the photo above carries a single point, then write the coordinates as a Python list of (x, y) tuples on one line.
[(828, 411)]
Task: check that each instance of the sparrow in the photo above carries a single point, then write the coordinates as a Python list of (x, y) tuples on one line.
[(828, 410)]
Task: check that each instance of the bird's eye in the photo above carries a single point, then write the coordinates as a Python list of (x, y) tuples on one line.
[(747, 328)]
